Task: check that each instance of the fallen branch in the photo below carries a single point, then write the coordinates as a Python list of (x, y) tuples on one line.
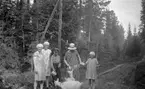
[(110, 70)]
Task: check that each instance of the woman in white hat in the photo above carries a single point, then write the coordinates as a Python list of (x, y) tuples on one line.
[(72, 59), (39, 67)]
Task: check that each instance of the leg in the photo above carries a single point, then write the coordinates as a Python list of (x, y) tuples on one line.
[(35, 84), (59, 75), (41, 84), (93, 84), (89, 83), (47, 81)]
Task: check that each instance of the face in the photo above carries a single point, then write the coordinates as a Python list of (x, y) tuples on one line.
[(55, 53), (46, 46), (92, 56), (39, 49)]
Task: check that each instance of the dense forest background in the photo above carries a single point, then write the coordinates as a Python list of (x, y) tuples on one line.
[(22, 25)]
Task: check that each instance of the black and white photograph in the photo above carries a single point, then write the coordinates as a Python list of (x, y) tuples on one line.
[(72, 44)]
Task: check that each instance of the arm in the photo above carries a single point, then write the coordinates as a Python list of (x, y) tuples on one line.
[(65, 60), (97, 63), (87, 62), (59, 62), (34, 63), (51, 64), (79, 57)]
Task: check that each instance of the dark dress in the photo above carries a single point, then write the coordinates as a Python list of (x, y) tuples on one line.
[(56, 61), (72, 59)]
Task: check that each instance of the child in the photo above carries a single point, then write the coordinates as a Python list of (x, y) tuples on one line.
[(91, 72), (55, 58), (47, 52)]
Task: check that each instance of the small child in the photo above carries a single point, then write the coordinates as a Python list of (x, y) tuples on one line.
[(91, 73)]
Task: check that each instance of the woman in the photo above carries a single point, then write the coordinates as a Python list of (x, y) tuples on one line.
[(72, 60), (39, 68)]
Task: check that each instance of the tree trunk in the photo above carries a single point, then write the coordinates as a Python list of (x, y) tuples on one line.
[(48, 23), (90, 22), (60, 26)]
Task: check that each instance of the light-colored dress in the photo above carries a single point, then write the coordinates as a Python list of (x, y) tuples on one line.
[(47, 54), (91, 72), (39, 66)]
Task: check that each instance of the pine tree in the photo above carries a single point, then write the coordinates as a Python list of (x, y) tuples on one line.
[(129, 32), (143, 21), (135, 31)]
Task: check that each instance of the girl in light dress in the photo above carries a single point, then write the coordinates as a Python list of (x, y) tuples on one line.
[(47, 62), (91, 73)]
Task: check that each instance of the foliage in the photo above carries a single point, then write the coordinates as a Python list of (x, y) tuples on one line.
[(142, 28), (134, 47), (8, 57), (133, 44), (113, 35), (23, 24)]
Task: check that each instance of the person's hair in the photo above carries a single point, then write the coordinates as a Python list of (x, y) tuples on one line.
[(56, 50), (94, 56)]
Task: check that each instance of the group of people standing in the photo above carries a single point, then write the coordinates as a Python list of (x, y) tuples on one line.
[(47, 64)]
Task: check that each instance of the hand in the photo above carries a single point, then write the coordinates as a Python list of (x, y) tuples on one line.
[(82, 63), (69, 67), (53, 72)]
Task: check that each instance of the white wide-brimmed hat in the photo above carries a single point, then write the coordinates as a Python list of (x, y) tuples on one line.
[(46, 43), (92, 53), (39, 46), (72, 46)]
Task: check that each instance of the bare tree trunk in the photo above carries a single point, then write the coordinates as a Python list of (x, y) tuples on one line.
[(60, 26), (23, 34), (36, 20), (90, 21), (48, 23)]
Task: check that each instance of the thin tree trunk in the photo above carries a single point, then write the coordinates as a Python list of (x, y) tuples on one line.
[(48, 23), (60, 26), (23, 35), (90, 17)]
